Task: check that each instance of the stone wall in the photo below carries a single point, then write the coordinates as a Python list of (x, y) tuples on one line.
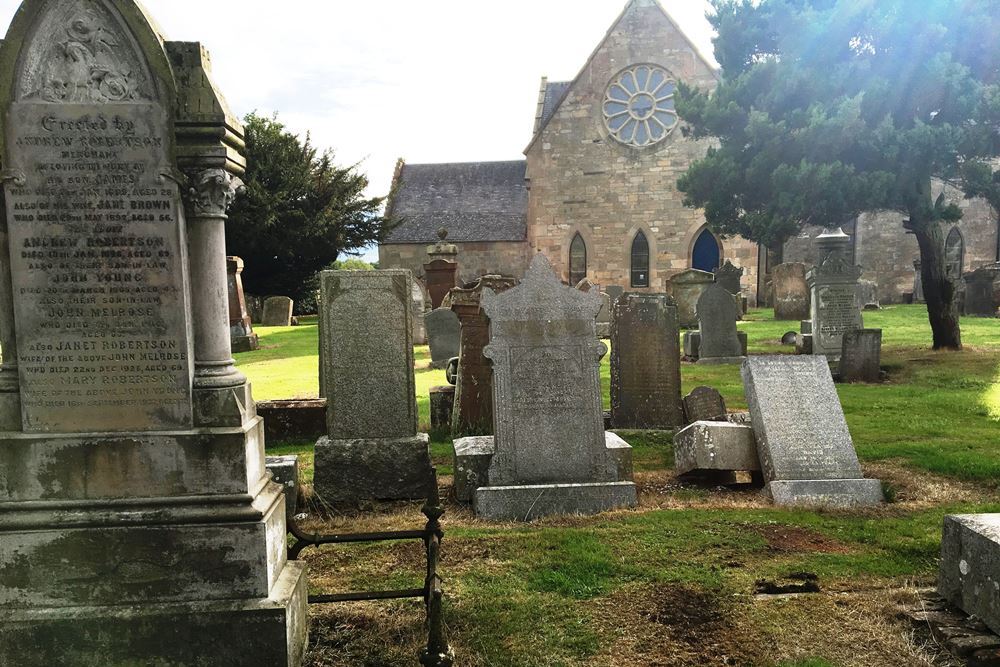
[(474, 259), (583, 181)]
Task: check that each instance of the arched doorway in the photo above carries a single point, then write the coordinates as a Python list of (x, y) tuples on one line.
[(706, 255), (954, 254), (577, 260)]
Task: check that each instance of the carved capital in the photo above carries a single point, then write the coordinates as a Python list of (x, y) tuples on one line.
[(212, 192)]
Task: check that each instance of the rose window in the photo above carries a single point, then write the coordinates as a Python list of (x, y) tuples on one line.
[(639, 106)]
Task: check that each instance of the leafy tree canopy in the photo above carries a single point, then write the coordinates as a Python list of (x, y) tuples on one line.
[(298, 213)]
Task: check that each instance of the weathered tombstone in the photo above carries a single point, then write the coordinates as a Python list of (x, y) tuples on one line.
[(442, 402), (705, 404), (868, 295), (979, 293), (240, 327), (444, 335), (645, 363), (441, 272), (686, 288), (138, 525), (277, 312), (717, 313), (861, 358), (418, 308), (715, 451), (372, 450), (804, 444), (551, 454), (834, 290), (255, 308), (790, 292), (970, 566), (473, 414), (730, 277)]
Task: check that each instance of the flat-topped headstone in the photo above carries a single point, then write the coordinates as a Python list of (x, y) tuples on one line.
[(373, 450), (979, 299), (833, 285), (277, 312), (861, 356), (645, 363), (717, 315), (444, 336), (686, 288), (551, 452), (790, 291), (804, 444), (704, 404), (970, 566)]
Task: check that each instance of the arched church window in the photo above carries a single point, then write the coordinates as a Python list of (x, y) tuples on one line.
[(577, 260), (639, 106), (706, 255), (954, 254), (640, 261)]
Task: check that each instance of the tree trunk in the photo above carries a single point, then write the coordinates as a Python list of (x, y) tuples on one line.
[(939, 291)]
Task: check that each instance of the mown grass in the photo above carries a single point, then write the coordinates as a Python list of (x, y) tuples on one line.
[(603, 591)]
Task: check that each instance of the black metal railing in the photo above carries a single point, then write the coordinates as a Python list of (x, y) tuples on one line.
[(437, 653)]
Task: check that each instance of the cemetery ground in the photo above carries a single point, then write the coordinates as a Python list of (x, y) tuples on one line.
[(695, 575)]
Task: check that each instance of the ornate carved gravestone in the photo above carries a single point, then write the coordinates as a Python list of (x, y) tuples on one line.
[(833, 284), (686, 288), (473, 413), (372, 450), (138, 525), (719, 342), (444, 335), (240, 327), (705, 404), (277, 311), (805, 447), (645, 363), (790, 292), (551, 454)]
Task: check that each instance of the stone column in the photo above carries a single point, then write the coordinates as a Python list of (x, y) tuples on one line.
[(211, 193)]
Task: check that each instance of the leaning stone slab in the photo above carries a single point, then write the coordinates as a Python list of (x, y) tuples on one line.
[(708, 447), (527, 503), (970, 566), (805, 446), (372, 469)]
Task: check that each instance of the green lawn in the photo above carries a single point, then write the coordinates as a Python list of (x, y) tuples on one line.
[(673, 582)]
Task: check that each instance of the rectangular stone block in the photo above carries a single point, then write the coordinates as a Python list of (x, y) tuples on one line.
[(715, 446), (472, 465), (350, 471), (285, 473), (833, 493), (527, 503), (970, 566)]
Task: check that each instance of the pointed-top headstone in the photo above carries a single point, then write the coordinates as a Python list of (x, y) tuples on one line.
[(717, 315)]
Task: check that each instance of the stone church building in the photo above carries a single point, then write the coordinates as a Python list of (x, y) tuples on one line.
[(597, 190)]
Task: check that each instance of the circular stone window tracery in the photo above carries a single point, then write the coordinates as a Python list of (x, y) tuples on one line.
[(639, 106)]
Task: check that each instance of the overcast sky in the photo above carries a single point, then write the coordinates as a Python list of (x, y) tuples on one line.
[(425, 80)]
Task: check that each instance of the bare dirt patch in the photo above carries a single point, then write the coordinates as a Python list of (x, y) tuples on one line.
[(792, 539)]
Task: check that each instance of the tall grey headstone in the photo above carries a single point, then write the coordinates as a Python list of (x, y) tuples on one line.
[(444, 335), (717, 314), (686, 288), (804, 444), (790, 292), (834, 293), (551, 453), (277, 311), (861, 357), (136, 506), (372, 450), (645, 363)]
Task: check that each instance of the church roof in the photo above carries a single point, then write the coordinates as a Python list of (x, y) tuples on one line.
[(554, 91), (475, 201)]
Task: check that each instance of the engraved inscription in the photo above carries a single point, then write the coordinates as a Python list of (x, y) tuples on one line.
[(97, 269), (838, 313)]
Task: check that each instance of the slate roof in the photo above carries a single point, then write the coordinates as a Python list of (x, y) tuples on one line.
[(475, 201), (554, 92)]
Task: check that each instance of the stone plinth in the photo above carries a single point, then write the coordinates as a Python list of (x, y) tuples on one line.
[(547, 403), (833, 286), (291, 420), (373, 450), (790, 291), (442, 277), (691, 344), (473, 413), (970, 566), (277, 312), (708, 448), (686, 288), (717, 314), (645, 363), (284, 471), (444, 336), (861, 357), (805, 447)]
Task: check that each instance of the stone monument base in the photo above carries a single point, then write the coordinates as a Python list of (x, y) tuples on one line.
[(720, 361), (350, 471), (691, 344), (837, 493), (970, 566), (707, 447), (249, 343), (266, 631), (527, 503)]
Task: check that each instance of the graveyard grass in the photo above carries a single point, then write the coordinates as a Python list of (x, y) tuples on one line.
[(675, 582)]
